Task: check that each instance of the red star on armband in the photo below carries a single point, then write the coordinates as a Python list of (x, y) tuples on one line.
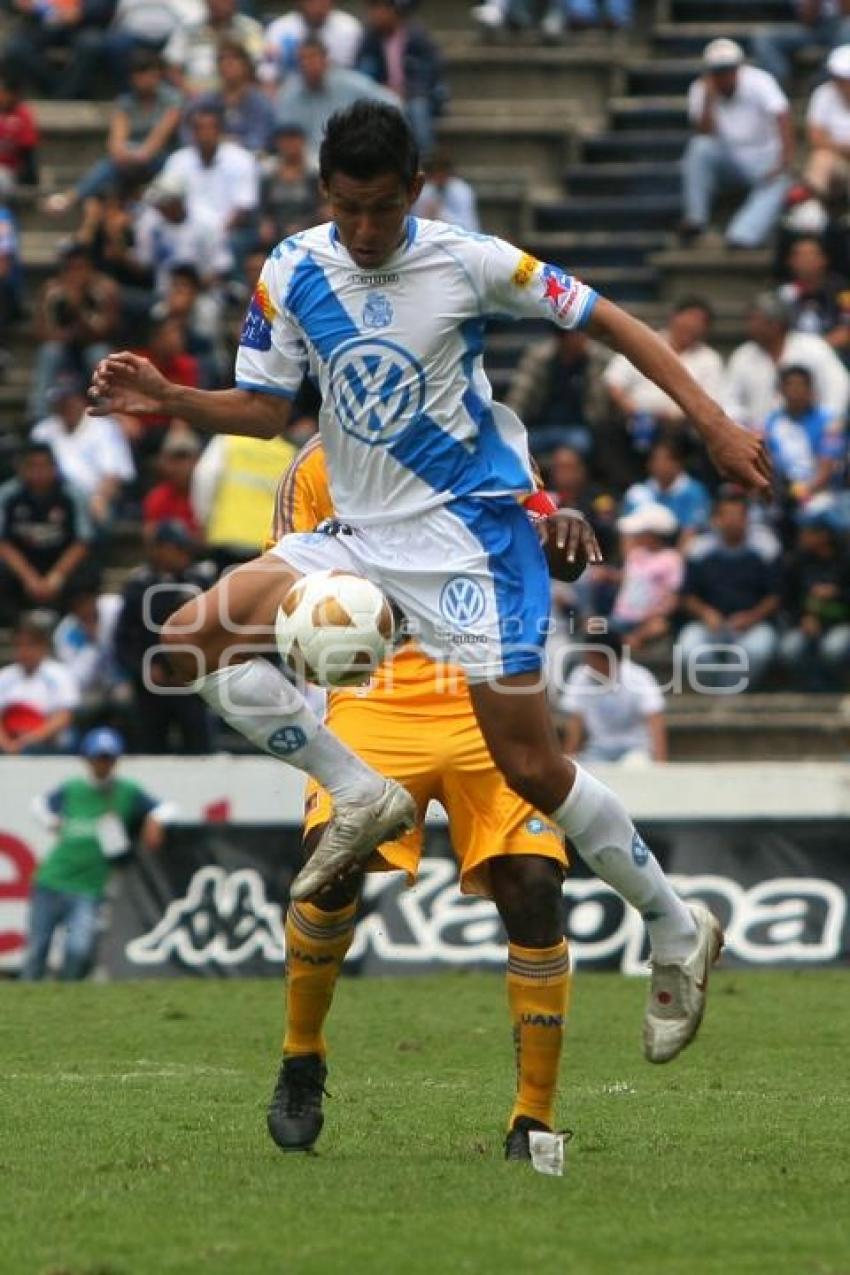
[(554, 290)]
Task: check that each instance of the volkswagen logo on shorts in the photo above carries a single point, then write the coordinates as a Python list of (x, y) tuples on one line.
[(378, 388), (462, 602)]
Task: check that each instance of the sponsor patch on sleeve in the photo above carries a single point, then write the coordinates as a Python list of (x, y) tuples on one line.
[(257, 326), (525, 271)]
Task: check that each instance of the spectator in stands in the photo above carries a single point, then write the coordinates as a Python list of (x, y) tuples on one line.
[(197, 309), (192, 52), (218, 177), (43, 28), (77, 322), (84, 641), (651, 578), (11, 278), (807, 444), (45, 535), (339, 32), (91, 451), (744, 140), (828, 130), (578, 15), (107, 230), (613, 708), (819, 23), (818, 301), (311, 96), (248, 114), (751, 386), (96, 819), (731, 595), (643, 406), (569, 485), (164, 722), (137, 24), (447, 197), (816, 579), (142, 128), (171, 499), (38, 695), (289, 188), (166, 349), (18, 138), (168, 233), (402, 56), (233, 490), (669, 484), (558, 391)]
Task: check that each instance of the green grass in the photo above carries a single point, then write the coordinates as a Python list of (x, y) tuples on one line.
[(132, 1135)]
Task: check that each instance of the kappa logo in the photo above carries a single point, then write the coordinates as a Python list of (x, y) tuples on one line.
[(225, 919), (462, 602), (377, 388), (377, 311)]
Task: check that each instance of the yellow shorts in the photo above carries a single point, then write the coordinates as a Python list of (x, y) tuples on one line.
[(444, 758)]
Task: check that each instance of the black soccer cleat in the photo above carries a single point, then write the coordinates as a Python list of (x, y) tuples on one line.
[(294, 1117), (516, 1143)]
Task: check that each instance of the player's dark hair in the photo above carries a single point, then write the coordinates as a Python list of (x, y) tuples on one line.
[(367, 140), (796, 369)]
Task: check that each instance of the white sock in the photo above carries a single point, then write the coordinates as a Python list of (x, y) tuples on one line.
[(258, 701), (598, 825)]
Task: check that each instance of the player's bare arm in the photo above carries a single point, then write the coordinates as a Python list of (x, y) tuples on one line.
[(125, 382), (736, 454)]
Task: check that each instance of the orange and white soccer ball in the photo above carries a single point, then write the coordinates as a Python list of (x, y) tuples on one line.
[(334, 628)]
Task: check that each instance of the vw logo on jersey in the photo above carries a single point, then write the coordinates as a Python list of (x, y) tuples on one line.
[(377, 311), (462, 602), (378, 389)]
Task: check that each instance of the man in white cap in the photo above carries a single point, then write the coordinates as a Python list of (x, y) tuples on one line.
[(820, 23), (828, 128), (744, 140)]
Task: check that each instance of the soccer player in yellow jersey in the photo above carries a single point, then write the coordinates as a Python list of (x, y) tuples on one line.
[(415, 723)]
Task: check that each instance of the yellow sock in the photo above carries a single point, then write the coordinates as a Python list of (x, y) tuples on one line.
[(316, 944), (538, 994)]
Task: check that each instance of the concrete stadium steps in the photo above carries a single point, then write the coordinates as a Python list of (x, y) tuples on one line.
[(638, 178), (718, 273), (622, 146), (655, 76), (719, 12), (774, 726), (637, 212), (658, 113), (590, 74)]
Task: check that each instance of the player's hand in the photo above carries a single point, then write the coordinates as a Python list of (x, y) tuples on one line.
[(568, 531), (127, 383), (740, 457)]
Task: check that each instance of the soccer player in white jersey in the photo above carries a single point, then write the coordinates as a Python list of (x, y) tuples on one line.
[(387, 313)]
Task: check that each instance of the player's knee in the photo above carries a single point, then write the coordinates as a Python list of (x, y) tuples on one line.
[(529, 772), (527, 893)]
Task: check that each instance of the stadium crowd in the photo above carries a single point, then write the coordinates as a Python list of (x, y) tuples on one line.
[(210, 161)]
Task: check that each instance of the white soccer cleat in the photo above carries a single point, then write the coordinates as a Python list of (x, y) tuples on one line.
[(354, 830), (677, 992)]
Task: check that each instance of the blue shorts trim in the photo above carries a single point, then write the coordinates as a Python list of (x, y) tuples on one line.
[(517, 564)]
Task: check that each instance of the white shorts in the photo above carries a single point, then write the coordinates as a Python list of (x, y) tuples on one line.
[(470, 576)]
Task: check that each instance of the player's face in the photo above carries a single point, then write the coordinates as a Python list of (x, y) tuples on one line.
[(370, 215)]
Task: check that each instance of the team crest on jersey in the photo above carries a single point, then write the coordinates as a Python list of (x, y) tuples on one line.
[(377, 311), (257, 327), (558, 289)]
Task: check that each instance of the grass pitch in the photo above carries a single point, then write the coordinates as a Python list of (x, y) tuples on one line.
[(132, 1135)]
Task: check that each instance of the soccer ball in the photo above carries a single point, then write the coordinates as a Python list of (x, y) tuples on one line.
[(334, 628)]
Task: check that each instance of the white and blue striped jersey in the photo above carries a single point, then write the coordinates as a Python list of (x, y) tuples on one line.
[(408, 420)]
